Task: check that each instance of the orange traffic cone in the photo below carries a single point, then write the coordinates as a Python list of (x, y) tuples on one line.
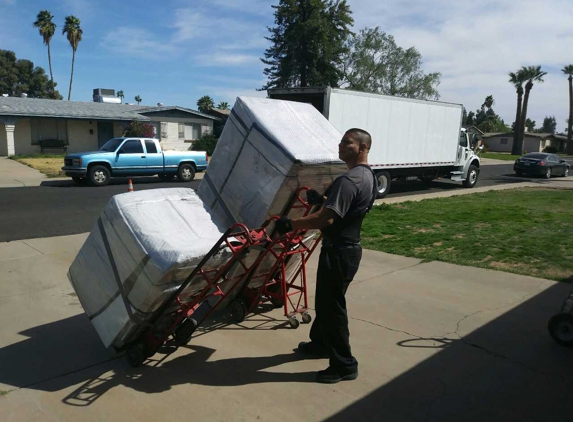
[(130, 186)]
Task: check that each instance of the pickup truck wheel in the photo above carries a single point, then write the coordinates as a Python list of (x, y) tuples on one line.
[(472, 178), (186, 173), (99, 175), (79, 180), (166, 177), (384, 181)]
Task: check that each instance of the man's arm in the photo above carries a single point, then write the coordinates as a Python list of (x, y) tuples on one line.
[(318, 220)]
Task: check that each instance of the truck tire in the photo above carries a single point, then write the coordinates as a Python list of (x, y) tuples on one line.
[(186, 172), (472, 178), (99, 175), (384, 181)]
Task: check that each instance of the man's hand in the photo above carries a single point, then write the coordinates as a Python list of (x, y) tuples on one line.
[(314, 198), (283, 225)]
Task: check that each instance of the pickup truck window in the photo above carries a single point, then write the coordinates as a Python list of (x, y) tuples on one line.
[(150, 147), (133, 146), (111, 145)]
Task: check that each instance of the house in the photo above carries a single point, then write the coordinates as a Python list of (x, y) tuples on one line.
[(533, 142), (85, 126), (223, 115)]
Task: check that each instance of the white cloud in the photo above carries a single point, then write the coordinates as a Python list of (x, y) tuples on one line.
[(136, 42), (224, 59), (475, 44), (196, 24)]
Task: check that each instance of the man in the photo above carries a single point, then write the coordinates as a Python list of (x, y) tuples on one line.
[(340, 220)]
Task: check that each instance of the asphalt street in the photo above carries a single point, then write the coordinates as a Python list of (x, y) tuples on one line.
[(60, 207)]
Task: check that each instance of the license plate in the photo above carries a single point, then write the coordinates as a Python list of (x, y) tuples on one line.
[(527, 164)]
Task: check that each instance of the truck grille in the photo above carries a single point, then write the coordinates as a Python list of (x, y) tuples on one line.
[(68, 162)]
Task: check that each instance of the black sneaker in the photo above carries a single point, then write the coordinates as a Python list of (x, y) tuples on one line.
[(331, 376), (312, 349)]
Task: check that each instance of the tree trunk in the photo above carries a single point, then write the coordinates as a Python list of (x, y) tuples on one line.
[(528, 88), (570, 125), (51, 73), (72, 75), (516, 125)]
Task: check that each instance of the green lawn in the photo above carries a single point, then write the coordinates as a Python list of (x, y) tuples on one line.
[(524, 231), (499, 156)]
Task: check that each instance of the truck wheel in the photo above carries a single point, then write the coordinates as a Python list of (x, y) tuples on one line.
[(186, 173), (472, 177), (99, 175), (384, 181)]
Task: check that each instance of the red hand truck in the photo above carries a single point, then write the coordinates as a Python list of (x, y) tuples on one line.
[(264, 267)]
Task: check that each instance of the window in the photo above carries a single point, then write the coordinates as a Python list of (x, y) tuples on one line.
[(42, 129), (192, 131), (503, 141), (150, 147), (133, 146), (463, 140)]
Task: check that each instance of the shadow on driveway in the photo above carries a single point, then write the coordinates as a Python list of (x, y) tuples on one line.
[(507, 370)]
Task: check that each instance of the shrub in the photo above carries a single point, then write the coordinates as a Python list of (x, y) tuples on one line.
[(205, 143), (549, 149), (136, 128)]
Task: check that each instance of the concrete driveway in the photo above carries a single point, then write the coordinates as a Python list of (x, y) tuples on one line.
[(16, 175), (435, 342)]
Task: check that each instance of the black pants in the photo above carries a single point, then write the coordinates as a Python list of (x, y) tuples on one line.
[(337, 266)]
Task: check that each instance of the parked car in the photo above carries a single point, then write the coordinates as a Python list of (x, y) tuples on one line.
[(541, 164), (133, 157)]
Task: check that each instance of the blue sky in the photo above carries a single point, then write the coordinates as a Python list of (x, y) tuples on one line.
[(175, 51)]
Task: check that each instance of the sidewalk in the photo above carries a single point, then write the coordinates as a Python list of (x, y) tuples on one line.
[(16, 175), (435, 342)]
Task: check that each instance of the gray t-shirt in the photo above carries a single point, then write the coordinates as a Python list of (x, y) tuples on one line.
[(350, 198)]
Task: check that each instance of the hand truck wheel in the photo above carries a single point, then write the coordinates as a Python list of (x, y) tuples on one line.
[(561, 329), (238, 310), (306, 318), (136, 355), (294, 323), (185, 331), (276, 302)]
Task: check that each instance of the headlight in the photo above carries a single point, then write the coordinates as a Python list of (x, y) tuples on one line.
[(77, 162)]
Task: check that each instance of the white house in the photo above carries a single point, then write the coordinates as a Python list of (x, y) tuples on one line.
[(532, 142), (85, 126)]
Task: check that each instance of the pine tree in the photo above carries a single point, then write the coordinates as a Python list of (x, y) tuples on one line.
[(307, 43)]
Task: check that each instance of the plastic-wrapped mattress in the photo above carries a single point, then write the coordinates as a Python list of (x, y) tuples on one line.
[(141, 249)]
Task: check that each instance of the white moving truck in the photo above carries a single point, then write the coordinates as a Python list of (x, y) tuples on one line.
[(411, 139)]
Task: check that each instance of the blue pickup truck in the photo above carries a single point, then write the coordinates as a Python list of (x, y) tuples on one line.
[(133, 157)]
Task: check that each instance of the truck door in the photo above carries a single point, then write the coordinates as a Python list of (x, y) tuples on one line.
[(154, 157), (130, 159), (463, 146)]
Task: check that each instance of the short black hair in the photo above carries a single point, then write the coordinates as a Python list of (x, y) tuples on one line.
[(362, 136)]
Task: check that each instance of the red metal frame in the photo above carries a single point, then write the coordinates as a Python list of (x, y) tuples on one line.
[(255, 285)]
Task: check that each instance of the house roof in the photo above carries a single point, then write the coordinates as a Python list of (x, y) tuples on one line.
[(219, 112), (35, 107), (541, 136), (473, 128)]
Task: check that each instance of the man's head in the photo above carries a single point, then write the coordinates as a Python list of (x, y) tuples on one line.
[(354, 147)]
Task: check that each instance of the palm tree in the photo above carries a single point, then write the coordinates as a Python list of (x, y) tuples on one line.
[(47, 28), (120, 95), (517, 79), (532, 74), (74, 35), (489, 102), (223, 105), (568, 70), (138, 99), (205, 103)]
